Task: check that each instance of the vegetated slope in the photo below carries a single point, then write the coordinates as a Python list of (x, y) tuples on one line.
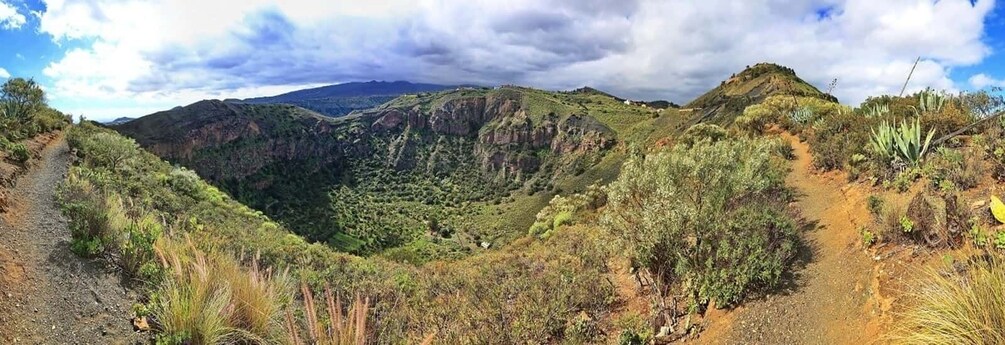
[(751, 86), (195, 250), (472, 165), (341, 99)]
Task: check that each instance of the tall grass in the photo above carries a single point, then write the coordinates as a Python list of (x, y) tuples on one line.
[(965, 307), (211, 299), (339, 326)]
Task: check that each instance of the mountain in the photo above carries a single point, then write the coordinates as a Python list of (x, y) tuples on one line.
[(752, 85), (475, 164), (467, 160), (341, 99), (119, 121)]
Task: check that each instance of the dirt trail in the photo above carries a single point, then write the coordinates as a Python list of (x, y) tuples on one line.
[(830, 302), (47, 294)]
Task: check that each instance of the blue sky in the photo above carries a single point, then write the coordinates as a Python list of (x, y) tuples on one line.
[(111, 58)]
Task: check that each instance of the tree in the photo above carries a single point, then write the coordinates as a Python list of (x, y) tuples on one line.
[(110, 150), (20, 98)]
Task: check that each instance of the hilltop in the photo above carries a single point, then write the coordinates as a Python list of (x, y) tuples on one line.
[(751, 86)]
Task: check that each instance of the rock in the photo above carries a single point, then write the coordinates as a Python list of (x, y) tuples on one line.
[(140, 324)]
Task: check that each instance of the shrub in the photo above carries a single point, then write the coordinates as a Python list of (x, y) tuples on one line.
[(88, 215), (875, 205), (563, 218), (868, 237), (109, 149), (19, 152), (891, 228), (963, 169), (708, 215), (957, 306), (702, 132), (561, 210), (836, 136)]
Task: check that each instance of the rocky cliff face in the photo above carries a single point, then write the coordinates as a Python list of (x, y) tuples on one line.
[(508, 143), (222, 140)]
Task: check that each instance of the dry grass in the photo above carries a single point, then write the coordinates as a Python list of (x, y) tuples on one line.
[(960, 307), (211, 299), (340, 327)]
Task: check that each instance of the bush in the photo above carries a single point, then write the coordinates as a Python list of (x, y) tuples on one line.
[(88, 215), (702, 132), (109, 149), (835, 138), (962, 304), (19, 152), (563, 218), (710, 215), (875, 205), (963, 169)]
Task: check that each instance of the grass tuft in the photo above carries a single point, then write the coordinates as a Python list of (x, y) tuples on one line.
[(964, 306)]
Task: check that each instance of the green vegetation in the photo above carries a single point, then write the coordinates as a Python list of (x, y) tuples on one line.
[(483, 215), (903, 142), (24, 113), (709, 220), (199, 263)]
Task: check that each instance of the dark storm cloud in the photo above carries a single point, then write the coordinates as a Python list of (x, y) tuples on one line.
[(482, 47)]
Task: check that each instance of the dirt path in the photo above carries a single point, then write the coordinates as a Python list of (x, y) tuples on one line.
[(830, 301), (47, 294)]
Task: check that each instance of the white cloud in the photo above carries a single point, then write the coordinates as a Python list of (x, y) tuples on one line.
[(182, 50), (4, 74), (981, 80), (10, 18)]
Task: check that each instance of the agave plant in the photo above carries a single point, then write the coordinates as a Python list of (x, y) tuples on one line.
[(877, 110), (930, 101), (903, 142), (802, 115)]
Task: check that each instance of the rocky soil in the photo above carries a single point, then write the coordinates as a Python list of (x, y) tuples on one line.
[(48, 295)]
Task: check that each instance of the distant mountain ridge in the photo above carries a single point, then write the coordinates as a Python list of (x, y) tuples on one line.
[(120, 121), (341, 99)]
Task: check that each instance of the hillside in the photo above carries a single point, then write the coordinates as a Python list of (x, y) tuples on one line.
[(466, 160), (341, 99), (478, 221), (751, 86)]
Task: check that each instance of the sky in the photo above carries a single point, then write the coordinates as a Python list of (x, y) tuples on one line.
[(110, 58)]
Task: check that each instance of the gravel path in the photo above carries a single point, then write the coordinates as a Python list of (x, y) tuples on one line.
[(48, 295)]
